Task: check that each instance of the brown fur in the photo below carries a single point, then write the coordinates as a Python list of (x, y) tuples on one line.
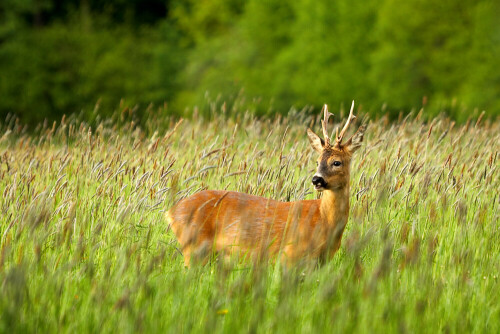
[(230, 222)]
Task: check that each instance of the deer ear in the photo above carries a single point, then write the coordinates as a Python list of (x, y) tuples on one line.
[(316, 142), (355, 141)]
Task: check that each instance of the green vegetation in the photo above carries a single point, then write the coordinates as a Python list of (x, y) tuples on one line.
[(84, 246), (61, 57)]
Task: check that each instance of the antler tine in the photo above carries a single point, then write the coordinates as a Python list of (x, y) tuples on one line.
[(324, 123), (344, 129)]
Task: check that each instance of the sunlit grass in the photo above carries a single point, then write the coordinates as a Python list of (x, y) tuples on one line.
[(85, 248)]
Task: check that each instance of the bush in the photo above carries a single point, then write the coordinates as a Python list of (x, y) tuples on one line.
[(64, 69)]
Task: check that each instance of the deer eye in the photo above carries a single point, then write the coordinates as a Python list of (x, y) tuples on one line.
[(337, 163)]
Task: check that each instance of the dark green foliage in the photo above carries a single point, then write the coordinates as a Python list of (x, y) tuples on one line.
[(434, 49), (442, 55), (64, 57), (71, 65)]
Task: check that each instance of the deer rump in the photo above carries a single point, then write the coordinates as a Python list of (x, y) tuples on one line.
[(230, 222)]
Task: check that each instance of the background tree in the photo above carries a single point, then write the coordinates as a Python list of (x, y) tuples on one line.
[(62, 57)]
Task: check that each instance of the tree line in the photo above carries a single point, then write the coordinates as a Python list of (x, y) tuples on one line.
[(62, 57)]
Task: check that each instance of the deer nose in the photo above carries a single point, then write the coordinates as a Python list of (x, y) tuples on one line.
[(318, 181)]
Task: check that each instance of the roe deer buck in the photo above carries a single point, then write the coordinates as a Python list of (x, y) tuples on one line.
[(229, 221)]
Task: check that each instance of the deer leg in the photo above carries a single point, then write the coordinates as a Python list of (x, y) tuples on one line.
[(187, 257)]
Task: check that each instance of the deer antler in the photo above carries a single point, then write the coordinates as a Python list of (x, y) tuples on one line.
[(344, 129), (324, 123)]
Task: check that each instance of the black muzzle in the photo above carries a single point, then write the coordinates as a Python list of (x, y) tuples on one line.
[(318, 182)]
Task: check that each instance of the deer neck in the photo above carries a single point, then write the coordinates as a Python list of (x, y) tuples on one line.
[(334, 208)]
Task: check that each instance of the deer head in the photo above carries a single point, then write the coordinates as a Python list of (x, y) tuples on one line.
[(334, 162)]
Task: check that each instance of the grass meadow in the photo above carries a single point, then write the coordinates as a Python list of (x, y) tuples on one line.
[(85, 248)]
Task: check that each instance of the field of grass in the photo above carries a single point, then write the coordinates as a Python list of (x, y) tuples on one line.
[(85, 248)]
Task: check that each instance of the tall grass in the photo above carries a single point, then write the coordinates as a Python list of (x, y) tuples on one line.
[(85, 248)]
